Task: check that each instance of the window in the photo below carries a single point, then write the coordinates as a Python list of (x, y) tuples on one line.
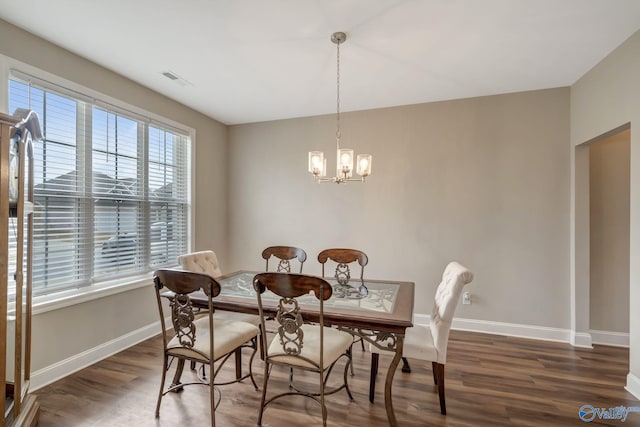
[(111, 189)]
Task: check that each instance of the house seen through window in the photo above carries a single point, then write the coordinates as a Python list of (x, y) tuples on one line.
[(111, 189)]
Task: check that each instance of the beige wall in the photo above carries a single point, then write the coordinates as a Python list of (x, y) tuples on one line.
[(483, 181), (70, 331), (606, 98), (609, 233), (66, 332), (486, 181)]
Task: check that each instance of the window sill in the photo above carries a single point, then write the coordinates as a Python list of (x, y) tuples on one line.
[(59, 300)]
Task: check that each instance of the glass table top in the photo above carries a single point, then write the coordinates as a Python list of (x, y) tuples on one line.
[(366, 296)]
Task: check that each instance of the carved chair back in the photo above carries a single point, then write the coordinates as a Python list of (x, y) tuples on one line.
[(289, 318), (183, 315), (284, 254), (343, 257)]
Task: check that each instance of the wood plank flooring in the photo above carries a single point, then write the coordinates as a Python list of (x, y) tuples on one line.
[(490, 381)]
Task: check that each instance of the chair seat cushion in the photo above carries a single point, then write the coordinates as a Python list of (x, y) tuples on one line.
[(239, 317), (418, 344), (227, 336), (335, 344)]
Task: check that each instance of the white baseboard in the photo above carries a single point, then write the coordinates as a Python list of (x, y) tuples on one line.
[(633, 385), (515, 330), (580, 339), (52, 373), (615, 339)]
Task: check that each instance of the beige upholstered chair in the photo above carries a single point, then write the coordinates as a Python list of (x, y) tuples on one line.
[(197, 339), (297, 344), (429, 342), (201, 262), (284, 254), (207, 262)]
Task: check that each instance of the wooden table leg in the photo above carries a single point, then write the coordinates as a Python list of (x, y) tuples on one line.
[(388, 403), (375, 357)]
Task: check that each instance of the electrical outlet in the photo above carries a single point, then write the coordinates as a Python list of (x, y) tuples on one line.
[(466, 298)]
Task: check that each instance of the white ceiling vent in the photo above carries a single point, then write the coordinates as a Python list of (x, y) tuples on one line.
[(176, 78)]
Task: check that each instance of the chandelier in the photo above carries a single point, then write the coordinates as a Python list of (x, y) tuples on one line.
[(344, 156)]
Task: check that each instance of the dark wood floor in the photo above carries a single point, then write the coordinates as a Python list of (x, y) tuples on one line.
[(491, 381)]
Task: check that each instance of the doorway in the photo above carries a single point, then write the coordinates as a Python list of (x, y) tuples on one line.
[(609, 194)]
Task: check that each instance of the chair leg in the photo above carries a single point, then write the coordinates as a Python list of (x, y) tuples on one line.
[(260, 342), (203, 378), (212, 395), (438, 370), (433, 370), (362, 344), (291, 378), (323, 406), (164, 375), (405, 365), (350, 354), (178, 374), (267, 371), (346, 370), (254, 341), (238, 357), (372, 379)]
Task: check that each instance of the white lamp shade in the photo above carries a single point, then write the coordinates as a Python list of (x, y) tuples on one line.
[(345, 162), (364, 164), (317, 163)]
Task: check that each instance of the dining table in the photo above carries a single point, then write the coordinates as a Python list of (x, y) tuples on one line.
[(378, 311)]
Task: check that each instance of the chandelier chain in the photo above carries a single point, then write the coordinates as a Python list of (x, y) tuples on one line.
[(338, 95)]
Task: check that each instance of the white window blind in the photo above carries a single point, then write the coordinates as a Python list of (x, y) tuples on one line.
[(111, 190)]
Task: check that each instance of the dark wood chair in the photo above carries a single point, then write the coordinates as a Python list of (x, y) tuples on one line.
[(284, 254), (298, 344), (195, 338), (343, 258)]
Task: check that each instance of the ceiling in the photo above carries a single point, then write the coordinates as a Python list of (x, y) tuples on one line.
[(246, 61)]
